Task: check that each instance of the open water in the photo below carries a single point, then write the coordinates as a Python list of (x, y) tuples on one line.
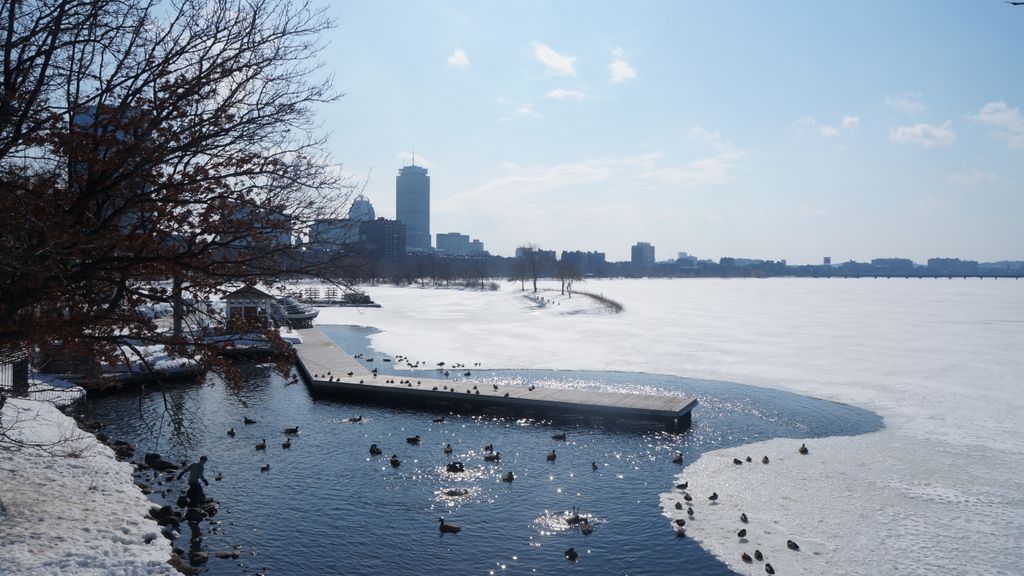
[(326, 506)]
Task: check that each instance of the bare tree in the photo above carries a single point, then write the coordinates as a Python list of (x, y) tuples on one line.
[(143, 141), (568, 273)]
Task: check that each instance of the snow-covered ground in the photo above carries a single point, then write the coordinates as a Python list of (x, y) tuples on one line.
[(69, 507), (939, 489)]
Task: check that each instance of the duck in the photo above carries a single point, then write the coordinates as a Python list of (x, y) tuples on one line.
[(551, 456), (509, 477), (355, 419), (680, 522), (454, 492), (680, 532), (571, 555), (737, 461), (489, 448), (713, 497), (231, 432), (265, 468), (764, 460), (559, 436), (248, 420), (375, 450), (742, 533), (287, 444), (803, 449), (413, 439), (586, 528), (679, 505), (447, 528), (743, 517), (574, 518), (678, 458), (746, 558), (394, 461), (768, 568), (758, 556), (218, 477), (262, 445), (448, 449), (441, 419), (292, 431), (683, 486), (496, 457), (455, 467), (689, 511), (593, 465), (792, 545), (749, 459), (687, 497)]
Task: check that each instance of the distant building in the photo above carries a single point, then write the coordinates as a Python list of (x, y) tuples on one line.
[(893, 264), (412, 195), (586, 263), (953, 266), (457, 244), (642, 256), (384, 237), (361, 210), (330, 234)]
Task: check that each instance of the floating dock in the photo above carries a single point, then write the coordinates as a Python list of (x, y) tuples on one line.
[(328, 369)]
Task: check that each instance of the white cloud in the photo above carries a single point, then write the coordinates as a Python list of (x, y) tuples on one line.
[(527, 112), (556, 64), (970, 178), (511, 167), (828, 131), (713, 170), (621, 71), (908, 102), (926, 135), (808, 125), (458, 59), (1008, 120), (563, 94)]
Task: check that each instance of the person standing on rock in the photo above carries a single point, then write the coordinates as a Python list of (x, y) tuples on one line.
[(195, 474)]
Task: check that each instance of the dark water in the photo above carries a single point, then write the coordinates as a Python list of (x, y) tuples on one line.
[(327, 507)]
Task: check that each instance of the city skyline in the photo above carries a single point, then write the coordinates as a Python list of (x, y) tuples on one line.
[(762, 131)]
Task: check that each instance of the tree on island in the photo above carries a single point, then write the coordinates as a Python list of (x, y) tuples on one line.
[(568, 273), (144, 142)]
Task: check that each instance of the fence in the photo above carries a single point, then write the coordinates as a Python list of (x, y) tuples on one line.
[(17, 381)]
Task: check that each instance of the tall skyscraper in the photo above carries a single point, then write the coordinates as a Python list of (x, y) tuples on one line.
[(412, 189)]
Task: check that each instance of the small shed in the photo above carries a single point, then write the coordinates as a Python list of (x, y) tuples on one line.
[(248, 307)]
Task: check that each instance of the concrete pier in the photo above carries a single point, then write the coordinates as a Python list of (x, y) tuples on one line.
[(326, 367)]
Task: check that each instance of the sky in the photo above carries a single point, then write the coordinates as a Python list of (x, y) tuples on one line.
[(775, 130)]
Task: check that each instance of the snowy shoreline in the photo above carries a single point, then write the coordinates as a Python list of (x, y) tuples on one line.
[(70, 507)]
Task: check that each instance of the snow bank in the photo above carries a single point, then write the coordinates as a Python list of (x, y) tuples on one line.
[(939, 488), (72, 509)]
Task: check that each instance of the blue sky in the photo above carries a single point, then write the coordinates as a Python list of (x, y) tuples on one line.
[(771, 130)]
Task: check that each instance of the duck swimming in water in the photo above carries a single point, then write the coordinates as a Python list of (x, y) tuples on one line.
[(559, 436), (551, 456), (447, 528), (394, 461), (375, 450), (508, 477), (231, 432), (447, 449), (678, 458), (571, 555), (413, 439), (262, 445)]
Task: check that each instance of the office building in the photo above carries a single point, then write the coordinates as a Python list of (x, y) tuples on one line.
[(642, 255), (412, 195)]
